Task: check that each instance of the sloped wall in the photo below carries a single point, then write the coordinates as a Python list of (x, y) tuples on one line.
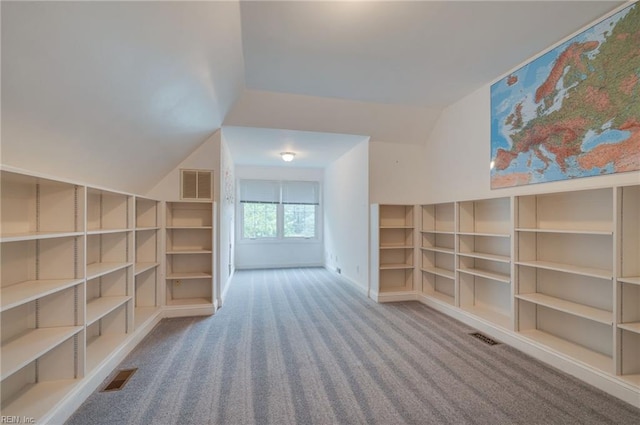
[(457, 156), (206, 156)]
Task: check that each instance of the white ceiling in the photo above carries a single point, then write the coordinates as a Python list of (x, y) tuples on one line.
[(262, 146), (118, 93), (425, 53)]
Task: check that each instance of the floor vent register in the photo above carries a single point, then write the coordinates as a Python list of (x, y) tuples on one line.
[(119, 380), (484, 338)]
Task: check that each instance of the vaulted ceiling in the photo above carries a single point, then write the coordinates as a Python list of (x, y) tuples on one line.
[(118, 93)]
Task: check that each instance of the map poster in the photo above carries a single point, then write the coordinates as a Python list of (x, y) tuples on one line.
[(572, 112)]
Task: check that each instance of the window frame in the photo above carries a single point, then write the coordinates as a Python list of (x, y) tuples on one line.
[(280, 237)]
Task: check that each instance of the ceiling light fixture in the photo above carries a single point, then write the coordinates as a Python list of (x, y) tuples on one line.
[(287, 156)]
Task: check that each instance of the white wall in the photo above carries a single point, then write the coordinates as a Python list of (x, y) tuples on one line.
[(457, 154), (226, 222), (395, 173), (381, 122), (372, 172), (346, 210), (206, 156), (457, 157), (272, 254)]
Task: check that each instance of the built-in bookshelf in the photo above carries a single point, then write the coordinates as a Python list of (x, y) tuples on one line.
[(189, 257), (564, 260), (395, 251), (466, 257), (437, 251), (42, 291), (79, 275), (628, 284), (148, 253), (109, 288), (484, 259), (559, 271)]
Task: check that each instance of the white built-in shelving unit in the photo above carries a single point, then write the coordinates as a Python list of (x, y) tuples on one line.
[(556, 274), (189, 257), (393, 239), (109, 257), (42, 289), (437, 251), (148, 253), (627, 286), (81, 282), (484, 259), (565, 260)]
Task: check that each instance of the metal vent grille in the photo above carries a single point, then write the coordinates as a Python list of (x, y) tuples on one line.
[(118, 382), (204, 185), (484, 338), (196, 185), (189, 184)]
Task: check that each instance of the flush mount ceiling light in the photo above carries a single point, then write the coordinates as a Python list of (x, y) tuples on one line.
[(287, 156)]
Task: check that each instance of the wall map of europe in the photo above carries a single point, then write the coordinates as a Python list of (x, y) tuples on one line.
[(574, 111)]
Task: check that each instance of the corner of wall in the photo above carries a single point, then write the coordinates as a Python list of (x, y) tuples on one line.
[(226, 217), (346, 211)]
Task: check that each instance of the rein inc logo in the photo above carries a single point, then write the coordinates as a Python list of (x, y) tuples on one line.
[(17, 420)]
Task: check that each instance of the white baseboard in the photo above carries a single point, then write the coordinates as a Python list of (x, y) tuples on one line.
[(360, 288), (188, 311), (278, 266), (597, 378), (223, 296), (87, 385), (393, 297)]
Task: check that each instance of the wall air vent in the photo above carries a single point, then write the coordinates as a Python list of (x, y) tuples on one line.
[(196, 185)]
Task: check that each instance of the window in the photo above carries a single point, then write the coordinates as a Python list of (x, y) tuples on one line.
[(299, 221), (259, 220), (279, 210)]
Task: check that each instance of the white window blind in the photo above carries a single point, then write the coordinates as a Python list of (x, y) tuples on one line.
[(301, 193), (260, 191), (279, 210), (275, 192)]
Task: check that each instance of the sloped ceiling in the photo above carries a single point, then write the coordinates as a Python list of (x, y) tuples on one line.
[(118, 93), (115, 93)]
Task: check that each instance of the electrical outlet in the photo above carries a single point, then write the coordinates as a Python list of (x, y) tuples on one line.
[(178, 282)]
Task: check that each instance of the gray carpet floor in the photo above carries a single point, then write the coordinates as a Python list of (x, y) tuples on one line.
[(299, 346)]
